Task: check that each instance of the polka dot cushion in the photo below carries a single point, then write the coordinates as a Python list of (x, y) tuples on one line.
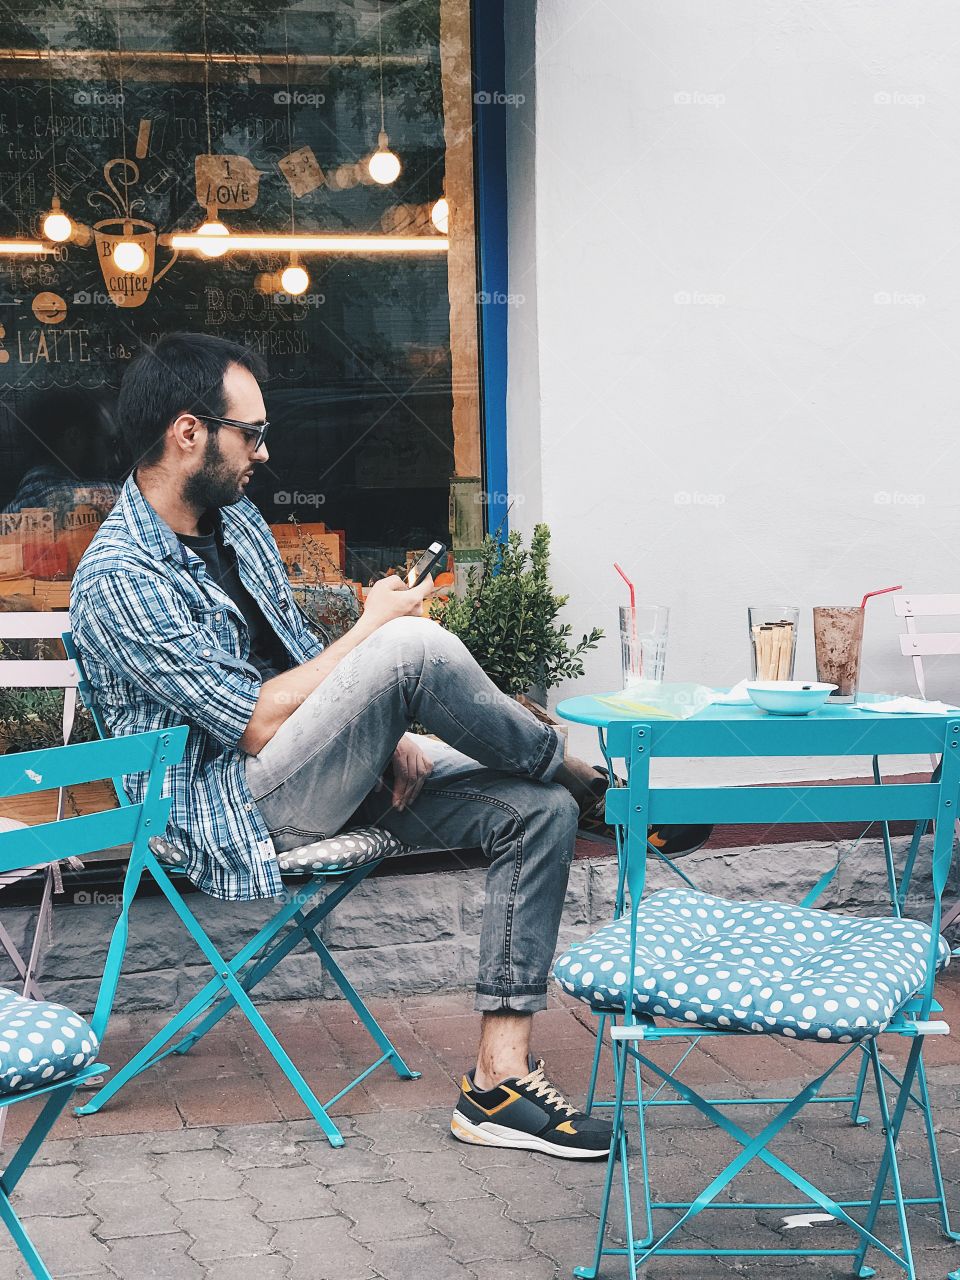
[(342, 852), (164, 851), (333, 855), (754, 966), (40, 1043)]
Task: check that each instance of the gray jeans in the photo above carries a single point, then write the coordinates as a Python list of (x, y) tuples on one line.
[(489, 788)]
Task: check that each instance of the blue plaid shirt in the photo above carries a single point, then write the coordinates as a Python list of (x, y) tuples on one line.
[(162, 645)]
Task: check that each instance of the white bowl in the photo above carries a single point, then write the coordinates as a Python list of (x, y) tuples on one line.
[(789, 697)]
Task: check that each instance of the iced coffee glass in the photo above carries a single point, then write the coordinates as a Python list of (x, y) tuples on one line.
[(838, 640)]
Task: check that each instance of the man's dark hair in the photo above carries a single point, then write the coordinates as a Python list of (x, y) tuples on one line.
[(182, 373)]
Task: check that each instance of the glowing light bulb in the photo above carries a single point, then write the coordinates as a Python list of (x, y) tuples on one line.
[(383, 166), (294, 280), (56, 225), (440, 215), (218, 244), (128, 255)]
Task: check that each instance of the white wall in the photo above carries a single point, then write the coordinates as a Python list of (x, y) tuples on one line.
[(738, 240)]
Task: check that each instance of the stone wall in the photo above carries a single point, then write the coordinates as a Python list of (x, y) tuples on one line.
[(415, 932)]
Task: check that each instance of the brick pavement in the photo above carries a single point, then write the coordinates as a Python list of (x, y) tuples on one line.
[(208, 1168)]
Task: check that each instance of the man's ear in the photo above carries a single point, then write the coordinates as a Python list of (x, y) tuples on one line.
[(185, 430)]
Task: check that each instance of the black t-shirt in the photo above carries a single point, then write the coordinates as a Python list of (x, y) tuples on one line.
[(266, 650)]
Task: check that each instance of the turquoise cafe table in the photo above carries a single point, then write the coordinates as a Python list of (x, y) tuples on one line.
[(714, 732), (699, 734)]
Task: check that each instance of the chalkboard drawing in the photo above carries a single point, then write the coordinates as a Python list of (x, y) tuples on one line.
[(302, 171), (143, 140), (126, 288), (226, 182), (76, 170), (49, 308)]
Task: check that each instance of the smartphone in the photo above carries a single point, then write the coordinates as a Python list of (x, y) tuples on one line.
[(434, 554)]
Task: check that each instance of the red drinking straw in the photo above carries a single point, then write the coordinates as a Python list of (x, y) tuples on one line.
[(882, 592), (637, 655), (633, 594)]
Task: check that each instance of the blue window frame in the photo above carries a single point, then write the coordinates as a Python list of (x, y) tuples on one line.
[(490, 160)]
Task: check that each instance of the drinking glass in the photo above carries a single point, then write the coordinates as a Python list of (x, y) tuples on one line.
[(643, 642), (838, 641), (773, 641)]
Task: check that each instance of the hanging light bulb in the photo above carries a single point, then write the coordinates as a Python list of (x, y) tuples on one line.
[(294, 280), (127, 254), (218, 234), (56, 224), (440, 215), (383, 166)]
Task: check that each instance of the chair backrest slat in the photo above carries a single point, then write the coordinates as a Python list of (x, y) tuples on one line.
[(47, 842), (42, 673), (29, 625), (28, 772), (926, 606), (929, 644)]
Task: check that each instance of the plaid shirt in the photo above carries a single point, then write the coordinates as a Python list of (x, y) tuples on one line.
[(162, 645)]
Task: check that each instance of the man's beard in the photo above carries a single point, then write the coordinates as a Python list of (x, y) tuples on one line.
[(215, 484)]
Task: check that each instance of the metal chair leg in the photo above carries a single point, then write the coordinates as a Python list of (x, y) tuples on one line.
[(855, 1113), (602, 1020)]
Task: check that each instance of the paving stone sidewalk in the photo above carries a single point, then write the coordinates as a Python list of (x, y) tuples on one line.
[(144, 1191)]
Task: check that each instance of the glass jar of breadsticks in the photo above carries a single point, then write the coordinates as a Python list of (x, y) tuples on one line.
[(773, 641)]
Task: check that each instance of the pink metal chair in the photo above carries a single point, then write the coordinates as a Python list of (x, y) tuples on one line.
[(918, 645), (36, 673)]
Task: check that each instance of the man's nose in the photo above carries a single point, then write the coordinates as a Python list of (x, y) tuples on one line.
[(262, 454)]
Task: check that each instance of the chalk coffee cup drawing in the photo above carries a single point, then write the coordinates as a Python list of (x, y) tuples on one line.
[(128, 288)]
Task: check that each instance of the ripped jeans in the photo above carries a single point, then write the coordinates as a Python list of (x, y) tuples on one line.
[(489, 788)]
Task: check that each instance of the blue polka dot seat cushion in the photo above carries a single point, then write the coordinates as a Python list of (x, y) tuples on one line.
[(332, 855), (40, 1043), (754, 966)]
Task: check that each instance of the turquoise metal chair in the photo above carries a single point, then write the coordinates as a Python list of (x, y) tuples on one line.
[(46, 1050), (348, 857), (683, 966)]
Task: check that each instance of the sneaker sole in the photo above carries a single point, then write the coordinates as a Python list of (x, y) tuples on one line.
[(498, 1135)]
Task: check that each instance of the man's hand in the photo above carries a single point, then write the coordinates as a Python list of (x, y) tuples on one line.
[(391, 598), (411, 768), (281, 695)]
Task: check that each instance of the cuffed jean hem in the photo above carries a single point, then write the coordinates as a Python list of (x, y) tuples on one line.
[(524, 999), (544, 771)]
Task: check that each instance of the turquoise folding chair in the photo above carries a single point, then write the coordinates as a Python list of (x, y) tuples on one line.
[(350, 857), (683, 966), (46, 1050)]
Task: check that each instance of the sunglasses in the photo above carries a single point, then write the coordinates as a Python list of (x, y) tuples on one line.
[(257, 430)]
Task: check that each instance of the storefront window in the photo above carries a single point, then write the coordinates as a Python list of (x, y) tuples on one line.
[(139, 122)]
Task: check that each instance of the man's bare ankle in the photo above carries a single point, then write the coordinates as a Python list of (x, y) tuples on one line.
[(486, 1080), (582, 781)]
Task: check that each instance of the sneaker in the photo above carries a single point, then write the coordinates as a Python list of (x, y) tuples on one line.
[(679, 839), (529, 1113), (673, 841)]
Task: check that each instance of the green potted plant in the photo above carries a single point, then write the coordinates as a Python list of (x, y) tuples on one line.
[(508, 618)]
